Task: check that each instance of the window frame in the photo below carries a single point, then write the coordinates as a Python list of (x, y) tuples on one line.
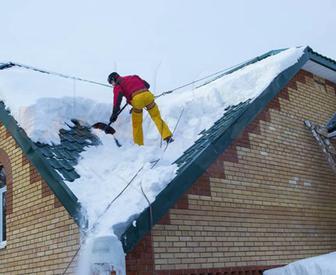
[(3, 191)]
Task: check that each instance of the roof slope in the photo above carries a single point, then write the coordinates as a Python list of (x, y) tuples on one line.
[(56, 162)]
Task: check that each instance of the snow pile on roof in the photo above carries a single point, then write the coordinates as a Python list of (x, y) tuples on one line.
[(43, 103), (324, 264), (106, 170), (43, 119)]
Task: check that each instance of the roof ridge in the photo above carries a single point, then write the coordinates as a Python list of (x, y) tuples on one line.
[(244, 64), (309, 49)]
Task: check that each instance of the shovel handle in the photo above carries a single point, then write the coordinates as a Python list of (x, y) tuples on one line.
[(122, 108), (109, 124)]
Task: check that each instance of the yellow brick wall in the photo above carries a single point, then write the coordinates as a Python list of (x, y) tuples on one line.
[(276, 204), (41, 236)]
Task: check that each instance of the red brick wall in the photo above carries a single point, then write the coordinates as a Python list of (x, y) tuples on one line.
[(140, 260)]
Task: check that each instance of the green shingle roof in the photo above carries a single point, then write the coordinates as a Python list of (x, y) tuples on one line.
[(210, 135), (64, 156)]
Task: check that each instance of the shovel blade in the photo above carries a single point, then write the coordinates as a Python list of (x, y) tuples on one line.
[(104, 127)]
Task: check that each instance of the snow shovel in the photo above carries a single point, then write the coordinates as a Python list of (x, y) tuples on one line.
[(104, 127), (107, 127)]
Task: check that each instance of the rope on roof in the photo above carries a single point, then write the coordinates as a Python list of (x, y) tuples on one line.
[(12, 64), (8, 65), (221, 72)]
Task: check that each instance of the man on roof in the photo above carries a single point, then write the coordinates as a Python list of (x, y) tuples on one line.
[(136, 91)]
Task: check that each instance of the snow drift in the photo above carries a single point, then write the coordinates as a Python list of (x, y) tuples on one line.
[(320, 265)]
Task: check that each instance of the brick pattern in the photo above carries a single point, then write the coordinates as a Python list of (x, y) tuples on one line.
[(248, 270), (41, 238), (140, 260), (268, 200), (202, 185), (35, 177)]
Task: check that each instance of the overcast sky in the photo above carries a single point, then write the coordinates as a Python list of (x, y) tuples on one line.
[(168, 42)]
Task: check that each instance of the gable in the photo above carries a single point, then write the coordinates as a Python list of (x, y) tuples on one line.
[(257, 205), (213, 143)]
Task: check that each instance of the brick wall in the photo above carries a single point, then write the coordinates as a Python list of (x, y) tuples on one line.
[(141, 261), (41, 236), (268, 200)]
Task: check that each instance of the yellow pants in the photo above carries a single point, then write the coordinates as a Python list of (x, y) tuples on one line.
[(139, 102)]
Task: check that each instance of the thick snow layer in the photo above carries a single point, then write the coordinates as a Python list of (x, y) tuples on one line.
[(105, 170), (23, 89), (43, 103), (320, 265), (43, 119)]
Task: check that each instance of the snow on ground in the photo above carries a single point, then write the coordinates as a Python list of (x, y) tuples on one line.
[(320, 265), (105, 170)]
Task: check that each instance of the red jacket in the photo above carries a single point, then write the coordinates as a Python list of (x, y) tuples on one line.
[(126, 86)]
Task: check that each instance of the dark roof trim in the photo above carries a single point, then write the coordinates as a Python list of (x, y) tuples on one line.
[(320, 59), (4, 66), (51, 177), (184, 180)]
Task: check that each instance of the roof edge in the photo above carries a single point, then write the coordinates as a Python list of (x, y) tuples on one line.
[(321, 59), (51, 177), (180, 184)]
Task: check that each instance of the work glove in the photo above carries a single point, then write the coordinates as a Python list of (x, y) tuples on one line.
[(113, 117)]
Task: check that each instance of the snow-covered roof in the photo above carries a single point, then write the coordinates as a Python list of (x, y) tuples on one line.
[(113, 187)]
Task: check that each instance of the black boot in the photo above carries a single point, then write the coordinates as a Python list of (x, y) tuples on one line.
[(169, 139)]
